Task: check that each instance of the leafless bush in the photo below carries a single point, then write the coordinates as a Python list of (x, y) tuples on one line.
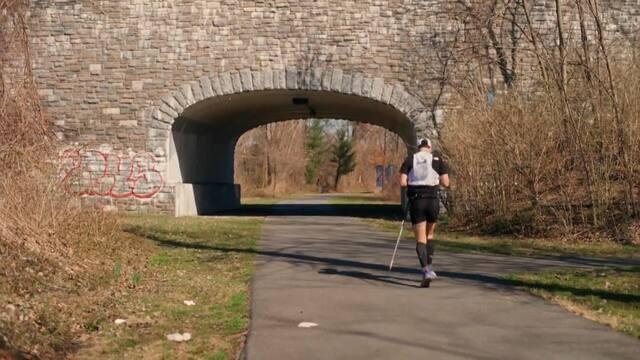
[(54, 254), (270, 160), (375, 146), (558, 151)]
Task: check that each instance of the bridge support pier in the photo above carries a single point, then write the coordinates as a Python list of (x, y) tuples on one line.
[(200, 167), (205, 199)]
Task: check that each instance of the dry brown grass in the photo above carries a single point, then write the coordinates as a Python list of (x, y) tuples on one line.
[(58, 260), (532, 164), (557, 152)]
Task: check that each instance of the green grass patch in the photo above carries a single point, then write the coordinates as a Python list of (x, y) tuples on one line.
[(610, 296), (205, 260), (359, 198), (161, 259), (457, 242), (220, 355)]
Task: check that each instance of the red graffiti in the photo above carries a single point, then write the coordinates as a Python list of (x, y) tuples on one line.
[(98, 173)]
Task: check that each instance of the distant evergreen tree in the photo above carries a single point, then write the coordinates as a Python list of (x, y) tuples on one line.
[(343, 155), (315, 147)]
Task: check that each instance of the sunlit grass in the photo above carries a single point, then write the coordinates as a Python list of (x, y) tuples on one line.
[(205, 260), (260, 201), (459, 242), (609, 296), (359, 198)]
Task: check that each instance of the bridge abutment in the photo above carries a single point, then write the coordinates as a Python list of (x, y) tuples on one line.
[(120, 79)]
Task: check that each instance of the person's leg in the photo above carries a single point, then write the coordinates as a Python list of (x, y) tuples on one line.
[(421, 243), (421, 249), (430, 230), (419, 229), (431, 215), (418, 219), (430, 246)]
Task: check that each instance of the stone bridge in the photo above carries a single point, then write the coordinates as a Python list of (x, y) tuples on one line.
[(151, 95)]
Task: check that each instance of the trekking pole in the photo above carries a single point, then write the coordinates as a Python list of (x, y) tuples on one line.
[(404, 217), (397, 242)]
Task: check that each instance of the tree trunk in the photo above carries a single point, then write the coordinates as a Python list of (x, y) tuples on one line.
[(561, 46)]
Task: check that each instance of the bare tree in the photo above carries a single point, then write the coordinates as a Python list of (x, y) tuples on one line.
[(561, 138)]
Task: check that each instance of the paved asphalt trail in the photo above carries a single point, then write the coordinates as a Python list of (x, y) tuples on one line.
[(333, 271)]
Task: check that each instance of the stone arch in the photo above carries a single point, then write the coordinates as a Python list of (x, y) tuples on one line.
[(175, 102), (189, 183)]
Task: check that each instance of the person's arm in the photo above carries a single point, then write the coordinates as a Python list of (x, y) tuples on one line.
[(443, 172), (444, 180), (404, 171)]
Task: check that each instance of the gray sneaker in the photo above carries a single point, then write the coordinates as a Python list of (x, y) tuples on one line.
[(430, 274), (426, 281)]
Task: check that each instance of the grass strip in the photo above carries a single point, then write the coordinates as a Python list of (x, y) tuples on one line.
[(610, 296), (463, 243)]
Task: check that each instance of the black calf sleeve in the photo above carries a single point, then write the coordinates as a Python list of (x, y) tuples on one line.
[(421, 249), (431, 248)]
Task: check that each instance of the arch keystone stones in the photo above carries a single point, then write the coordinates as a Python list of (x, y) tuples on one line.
[(173, 104)]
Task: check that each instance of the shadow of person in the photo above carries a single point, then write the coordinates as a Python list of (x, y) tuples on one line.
[(369, 277)]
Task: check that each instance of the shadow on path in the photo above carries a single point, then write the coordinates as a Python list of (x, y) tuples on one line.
[(486, 280), (369, 211), (369, 276)]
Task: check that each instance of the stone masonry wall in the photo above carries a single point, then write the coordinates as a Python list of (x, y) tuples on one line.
[(103, 66)]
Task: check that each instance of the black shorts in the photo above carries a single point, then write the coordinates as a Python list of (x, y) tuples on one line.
[(425, 209)]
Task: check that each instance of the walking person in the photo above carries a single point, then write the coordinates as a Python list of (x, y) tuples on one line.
[(422, 174)]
